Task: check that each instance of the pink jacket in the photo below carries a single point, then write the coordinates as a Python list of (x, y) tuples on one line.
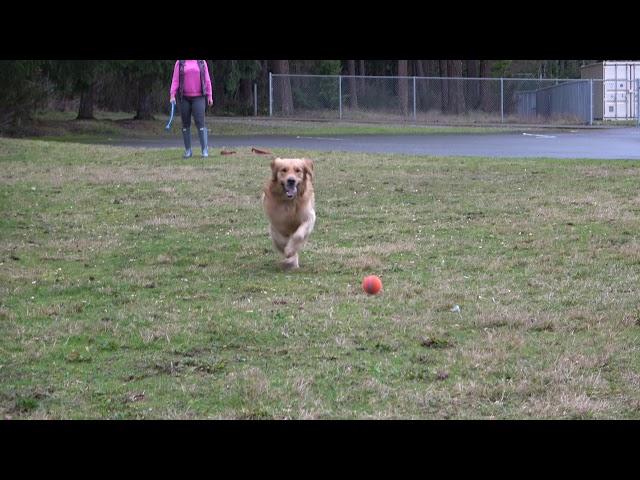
[(192, 86)]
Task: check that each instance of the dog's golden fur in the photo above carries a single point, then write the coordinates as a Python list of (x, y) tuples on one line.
[(289, 202)]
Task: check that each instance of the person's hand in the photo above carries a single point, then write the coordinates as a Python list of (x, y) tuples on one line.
[(172, 100), (210, 101)]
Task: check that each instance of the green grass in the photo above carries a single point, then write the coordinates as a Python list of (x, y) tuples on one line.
[(134, 284), (110, 126)]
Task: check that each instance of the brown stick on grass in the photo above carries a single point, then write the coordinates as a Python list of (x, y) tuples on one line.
[(260, 152)]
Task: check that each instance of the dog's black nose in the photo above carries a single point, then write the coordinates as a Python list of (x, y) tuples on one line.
[(291, 181)]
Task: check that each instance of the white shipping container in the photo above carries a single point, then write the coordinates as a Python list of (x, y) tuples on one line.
[(617, 98)]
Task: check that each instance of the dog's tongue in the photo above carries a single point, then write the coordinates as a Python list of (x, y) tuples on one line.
[(290, 191)]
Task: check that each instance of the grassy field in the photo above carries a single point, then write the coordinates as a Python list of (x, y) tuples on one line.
[(134, 284), (108, 126)]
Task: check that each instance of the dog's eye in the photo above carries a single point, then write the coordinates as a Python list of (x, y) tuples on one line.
[(298, 170)]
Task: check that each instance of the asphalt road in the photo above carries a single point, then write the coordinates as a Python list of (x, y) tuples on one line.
[(608, 143)]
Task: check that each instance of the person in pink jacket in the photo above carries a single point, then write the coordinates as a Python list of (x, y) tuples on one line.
[(192, 84)]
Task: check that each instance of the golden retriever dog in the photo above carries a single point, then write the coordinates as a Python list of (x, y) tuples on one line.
[(289, 202)]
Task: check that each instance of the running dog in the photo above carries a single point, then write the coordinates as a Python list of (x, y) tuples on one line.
[(289, 202)]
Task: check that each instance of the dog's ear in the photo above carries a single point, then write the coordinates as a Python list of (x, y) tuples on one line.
[(274, 170), (308, 167)]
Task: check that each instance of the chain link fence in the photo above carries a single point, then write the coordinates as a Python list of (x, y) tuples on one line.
[(447, 100)]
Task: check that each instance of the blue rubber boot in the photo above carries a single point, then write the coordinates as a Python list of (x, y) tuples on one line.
[(203, 134), (186, 136)]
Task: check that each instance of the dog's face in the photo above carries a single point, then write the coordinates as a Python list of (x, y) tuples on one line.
[(291, 174)]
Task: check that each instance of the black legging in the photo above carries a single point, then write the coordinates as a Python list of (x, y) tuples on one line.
[(195, 105)]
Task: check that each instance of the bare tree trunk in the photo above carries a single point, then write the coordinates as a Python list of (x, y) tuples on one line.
[(403, 89), (473, 92), (218, 72), (421, 85), (353, 98), (283, 85), (431, 68), (444, 87), (485, 86), (456, 93), (363, 82), (144, 99), (245, 92), (85, 112), (263, 86)]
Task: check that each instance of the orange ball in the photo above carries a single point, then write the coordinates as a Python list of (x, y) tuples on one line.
[(371, 284)]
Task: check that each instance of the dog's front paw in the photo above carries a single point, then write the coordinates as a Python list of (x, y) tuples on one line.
[(290, 263)]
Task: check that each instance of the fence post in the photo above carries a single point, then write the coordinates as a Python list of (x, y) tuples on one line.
[(638, 102), (340, 94), (255, 99), (501, 100), (270, 94), (591, 102), (414, 98)]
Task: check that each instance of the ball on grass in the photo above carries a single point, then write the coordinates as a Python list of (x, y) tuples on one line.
[(371, 284)]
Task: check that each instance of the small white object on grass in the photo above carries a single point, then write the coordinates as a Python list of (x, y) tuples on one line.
[(456, 308)]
